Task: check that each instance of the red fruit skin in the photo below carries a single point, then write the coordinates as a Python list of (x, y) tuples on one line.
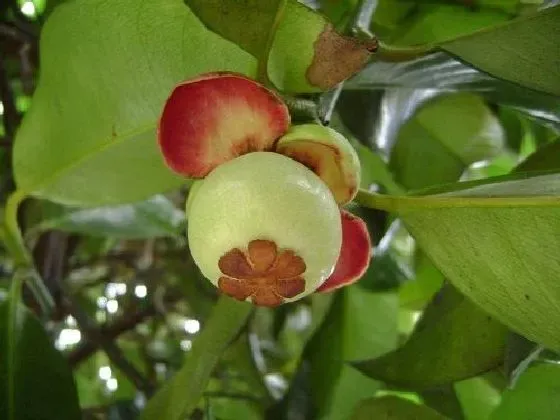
[(217, 117), (355, 254)]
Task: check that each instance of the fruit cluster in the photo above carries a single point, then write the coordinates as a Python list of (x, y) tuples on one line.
[(265, 223)]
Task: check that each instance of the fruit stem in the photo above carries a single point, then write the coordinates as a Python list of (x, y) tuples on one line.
[(22, 258), (180, 396), (395, 54)]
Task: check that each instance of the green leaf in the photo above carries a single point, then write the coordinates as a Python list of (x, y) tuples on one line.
[(393, 408), (520, 352), (440, 71), (360, 323), (308, 55), (89, 137), (240, 357), (340, 12), (390, 15), (156, 217), (524, 51), (180, 395), (545, 158), (35, 379), (225, 408), (417, 292), (536, 395), (384, 273), (450, 133), (512, 123), (453, 340), (478, 398), (250, 24), (375, 170), (497, 243), (437, 23), (299, 47), (444, 400)]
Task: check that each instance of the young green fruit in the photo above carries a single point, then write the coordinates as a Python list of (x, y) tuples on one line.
[(328, 154), (264, 228), (190, 197)]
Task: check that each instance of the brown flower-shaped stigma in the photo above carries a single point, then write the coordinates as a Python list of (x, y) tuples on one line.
[(262, 273)]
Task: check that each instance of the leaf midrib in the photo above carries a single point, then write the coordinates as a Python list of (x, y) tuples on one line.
[(113, 141)]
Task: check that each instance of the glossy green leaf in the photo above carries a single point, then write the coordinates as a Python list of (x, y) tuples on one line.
[(106, 70), (519, 353), (359, 324), (391, 15), (535, 396), (418, 291), (240, 356), (393, 408), (478, 398), (308, 55), (250, 24), (545, 158), (375, 170), (524, 51), (444, 400), (303, 51), (384, 273), (433, 23), (453, 340), (340, 12), (156, 217), (35, 379), (497, 242), (512, 123), (442, 72), (181, 394), (225, 408), (450, 133)]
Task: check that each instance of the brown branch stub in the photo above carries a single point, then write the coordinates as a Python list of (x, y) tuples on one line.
[(337, 57)]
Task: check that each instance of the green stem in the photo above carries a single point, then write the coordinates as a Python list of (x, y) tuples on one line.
[(13, 306), (394, 54), (180, 396), (403, 204), (12, 233), (20, 253)]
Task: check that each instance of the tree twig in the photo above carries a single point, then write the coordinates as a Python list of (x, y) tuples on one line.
[(127, 322), (11, 116), (88, 327), (120, 326)]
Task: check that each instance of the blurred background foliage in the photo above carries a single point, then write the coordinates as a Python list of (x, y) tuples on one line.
[(129, 300)]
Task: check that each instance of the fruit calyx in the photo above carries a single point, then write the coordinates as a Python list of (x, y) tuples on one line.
[(262, 273)]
